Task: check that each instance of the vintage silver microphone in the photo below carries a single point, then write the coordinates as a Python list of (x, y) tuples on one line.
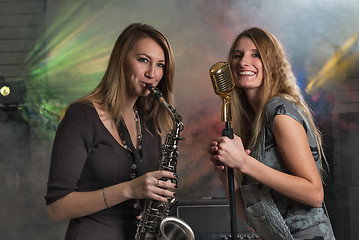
[(223, 84)]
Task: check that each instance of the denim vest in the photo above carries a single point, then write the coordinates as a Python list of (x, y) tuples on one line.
[(262, 213), (271, 214)]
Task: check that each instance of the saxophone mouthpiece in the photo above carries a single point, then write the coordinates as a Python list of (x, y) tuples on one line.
[(156, 93)]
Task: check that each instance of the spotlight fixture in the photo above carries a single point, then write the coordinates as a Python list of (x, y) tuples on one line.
[(11, 93), (5, 91)]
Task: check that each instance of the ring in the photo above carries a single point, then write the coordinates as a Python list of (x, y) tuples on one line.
[(158, 183)]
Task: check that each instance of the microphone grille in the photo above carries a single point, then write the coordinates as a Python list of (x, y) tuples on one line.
[(221, 77)]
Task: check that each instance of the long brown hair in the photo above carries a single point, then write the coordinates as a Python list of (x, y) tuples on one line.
[(278, 80), (110, 92)]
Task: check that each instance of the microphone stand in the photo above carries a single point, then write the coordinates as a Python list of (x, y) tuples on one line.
[(228, 132)]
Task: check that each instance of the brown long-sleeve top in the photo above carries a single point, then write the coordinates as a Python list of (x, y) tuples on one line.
[(86, 157)]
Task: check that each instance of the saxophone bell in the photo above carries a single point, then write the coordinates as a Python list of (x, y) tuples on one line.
[(173, 228)]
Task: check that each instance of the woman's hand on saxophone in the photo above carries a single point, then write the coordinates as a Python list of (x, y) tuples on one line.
[(154, 185)]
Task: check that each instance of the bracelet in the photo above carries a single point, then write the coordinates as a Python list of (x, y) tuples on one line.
[(105, 198)]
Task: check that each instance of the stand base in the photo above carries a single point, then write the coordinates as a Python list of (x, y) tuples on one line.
[(226, 236)]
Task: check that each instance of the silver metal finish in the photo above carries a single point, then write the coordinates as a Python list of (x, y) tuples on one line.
[(155, 222)]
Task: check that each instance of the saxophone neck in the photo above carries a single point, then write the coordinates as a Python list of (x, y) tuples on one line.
[(156, 93)]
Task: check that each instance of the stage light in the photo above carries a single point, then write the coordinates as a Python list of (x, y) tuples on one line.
[(11, 93), (5, 91)]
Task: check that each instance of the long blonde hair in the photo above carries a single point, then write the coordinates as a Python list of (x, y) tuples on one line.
[(278, 80), (110, 92)]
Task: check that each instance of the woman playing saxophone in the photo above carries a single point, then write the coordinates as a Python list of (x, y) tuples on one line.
[(106, 149)]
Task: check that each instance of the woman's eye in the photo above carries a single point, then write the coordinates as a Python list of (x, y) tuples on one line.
[(161, 65), (256, 55), (237, 56), (143, 60)]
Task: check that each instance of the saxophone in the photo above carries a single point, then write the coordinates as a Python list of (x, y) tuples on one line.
[(156, 222)]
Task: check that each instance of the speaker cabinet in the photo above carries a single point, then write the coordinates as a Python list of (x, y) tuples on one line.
[(211, 220)]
